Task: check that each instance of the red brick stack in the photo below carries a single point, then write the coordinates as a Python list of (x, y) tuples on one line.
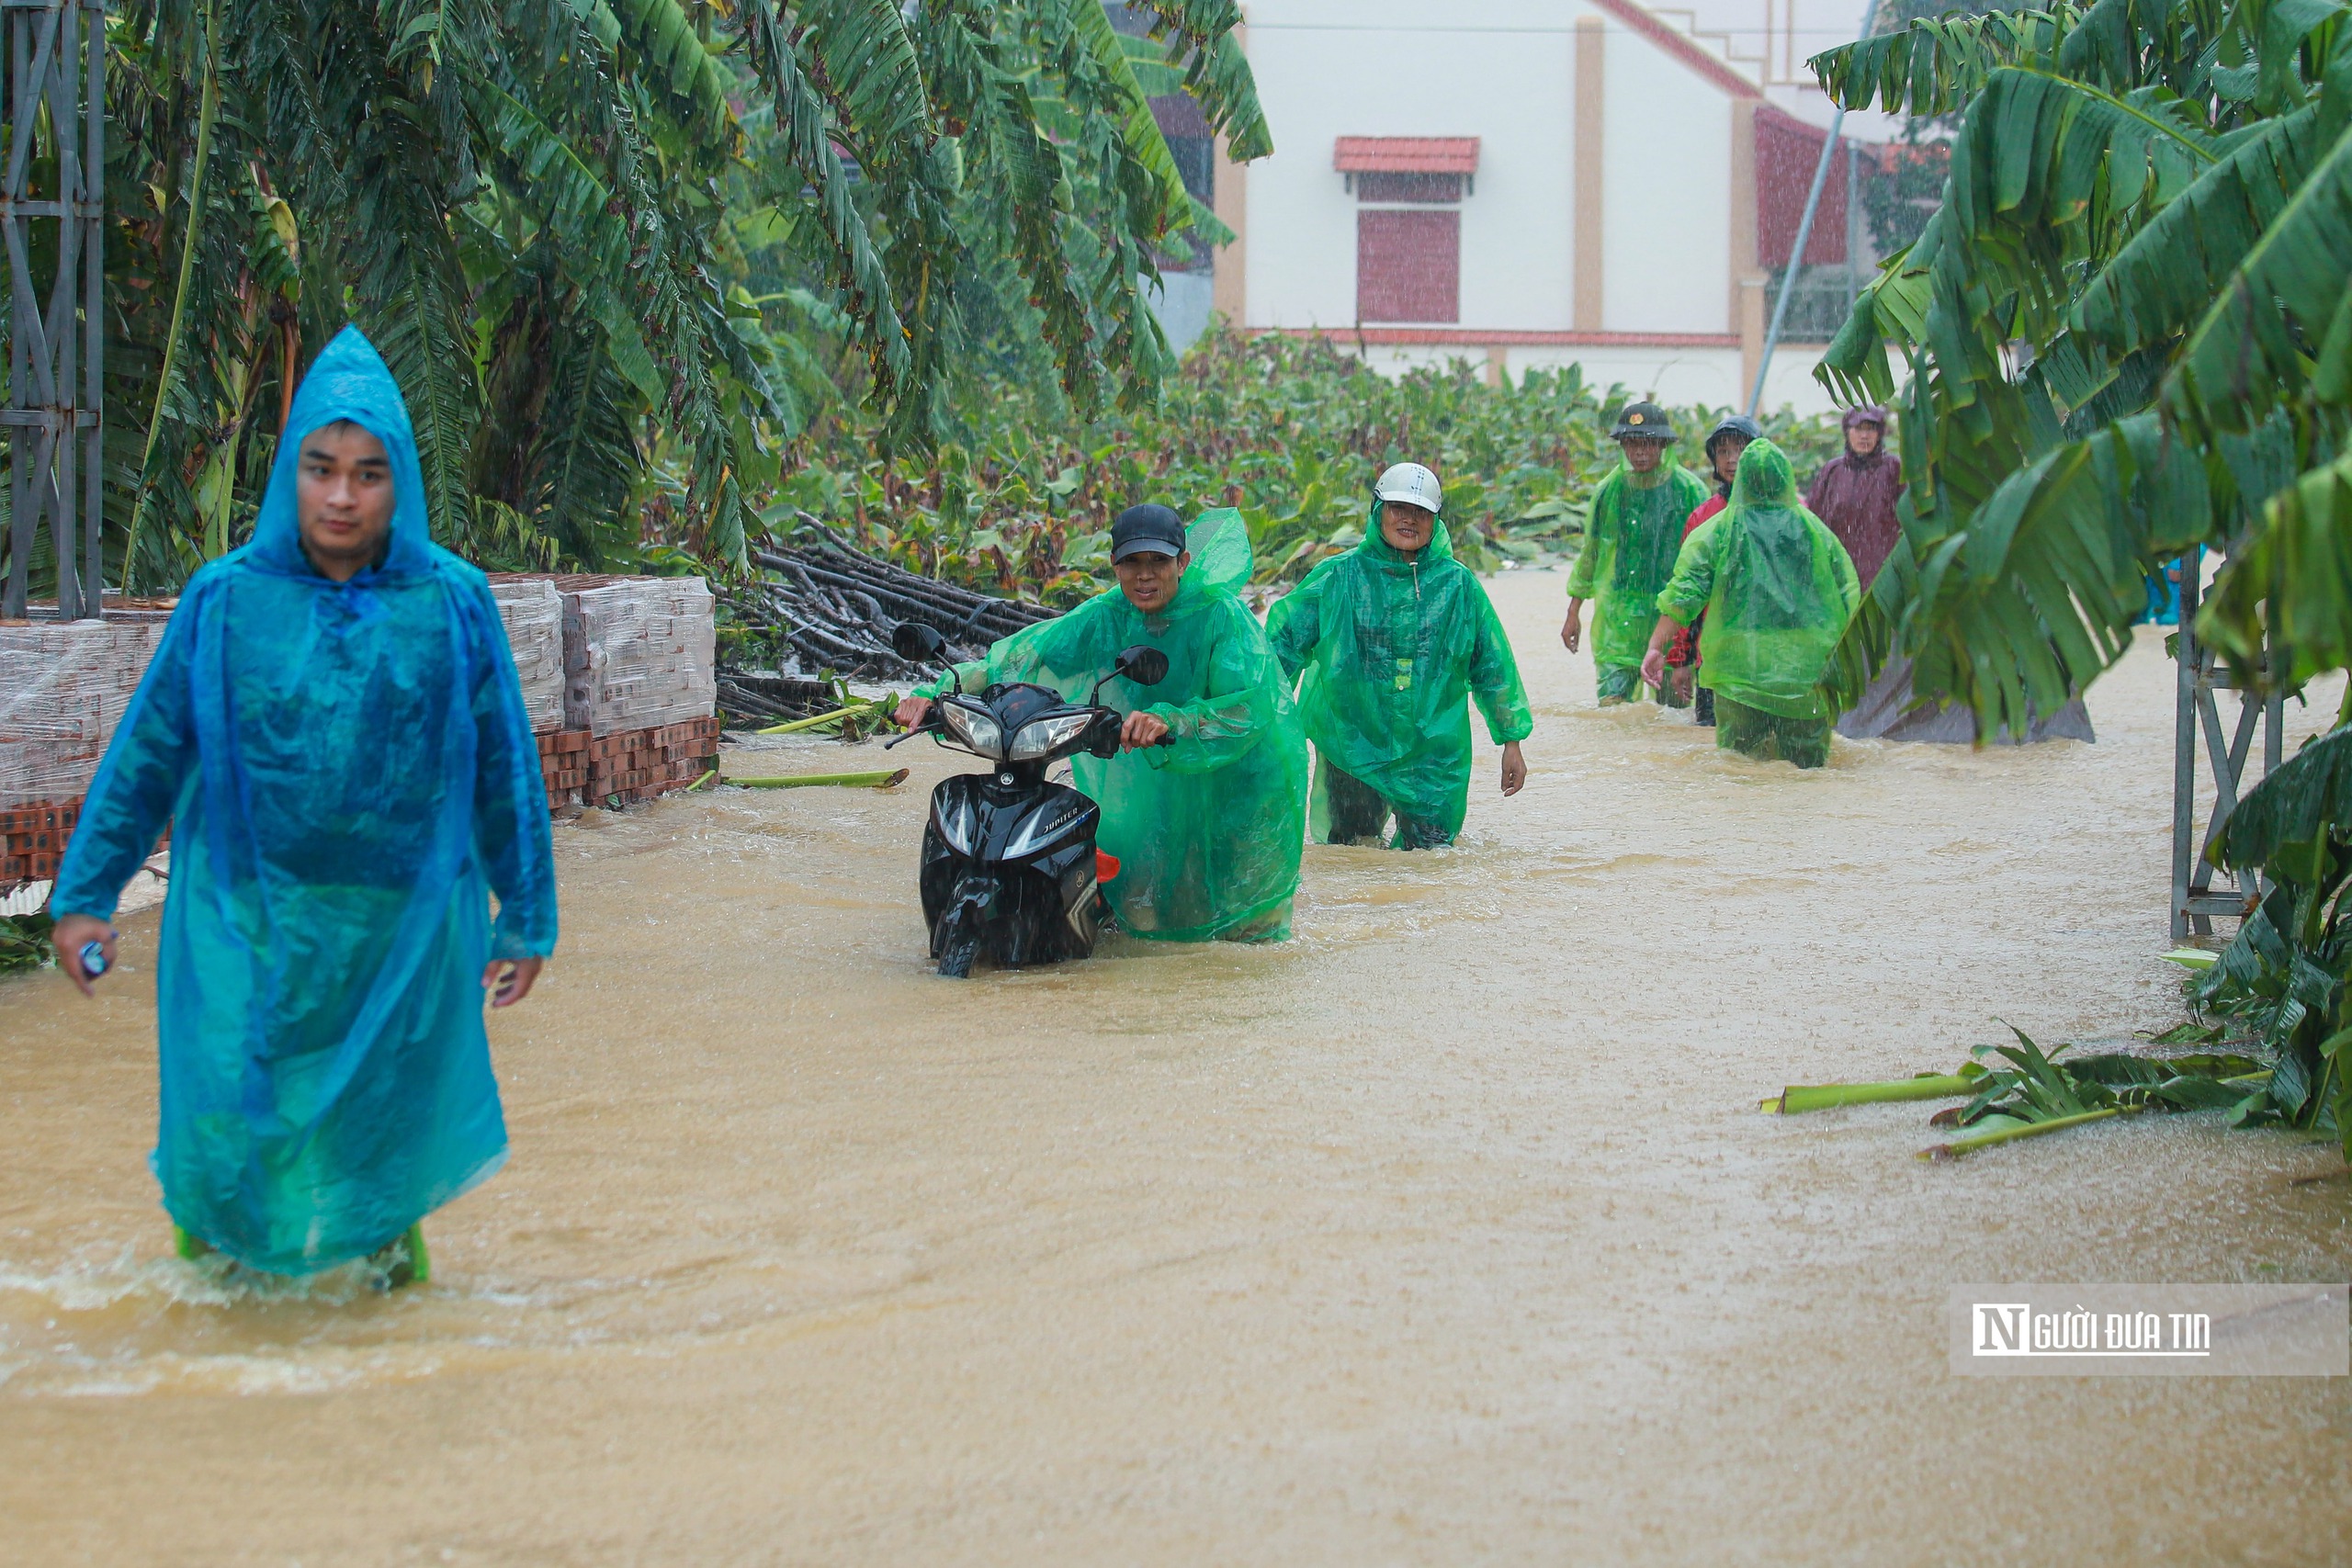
[(625, 767), (32, 840), (638, 764), (564, 764)]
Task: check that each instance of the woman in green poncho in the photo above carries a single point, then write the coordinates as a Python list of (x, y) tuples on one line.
[(1778, 590), (1207, 829), (1391, 637), (1632, 530)]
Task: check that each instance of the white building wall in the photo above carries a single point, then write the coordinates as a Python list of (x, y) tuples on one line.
[(1666, 195), (1502, 70), (1398, 68)]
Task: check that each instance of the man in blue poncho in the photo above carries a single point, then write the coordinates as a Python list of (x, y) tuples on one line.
[(334, 730)]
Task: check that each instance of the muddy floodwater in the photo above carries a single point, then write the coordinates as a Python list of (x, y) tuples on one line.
[(1448, 1232)]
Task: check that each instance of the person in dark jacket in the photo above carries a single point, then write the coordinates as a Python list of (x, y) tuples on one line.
[(1855, 494)]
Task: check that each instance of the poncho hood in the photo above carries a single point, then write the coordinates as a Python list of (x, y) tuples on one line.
[(1869, 414), (349, 381)]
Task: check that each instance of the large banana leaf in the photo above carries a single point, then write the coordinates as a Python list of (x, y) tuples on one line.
[(547, 213), (2154, 201)]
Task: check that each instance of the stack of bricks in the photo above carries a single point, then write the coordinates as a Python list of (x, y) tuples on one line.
[(616, 674), (638, 764), (32, 840), (563, 765)]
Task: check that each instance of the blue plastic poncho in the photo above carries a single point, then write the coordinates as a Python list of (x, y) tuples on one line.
[(1207, 832), (346, 768)]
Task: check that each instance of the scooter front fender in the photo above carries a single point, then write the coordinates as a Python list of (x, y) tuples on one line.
[(983, 820)]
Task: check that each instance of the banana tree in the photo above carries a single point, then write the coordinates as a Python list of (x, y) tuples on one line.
[(2125, 330), (560, 219), (2283, 974)]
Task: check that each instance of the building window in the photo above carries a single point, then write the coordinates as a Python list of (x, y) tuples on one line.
[(1408, 264)]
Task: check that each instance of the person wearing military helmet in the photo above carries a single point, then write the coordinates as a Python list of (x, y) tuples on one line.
[(1632, 533), (1386, 643)]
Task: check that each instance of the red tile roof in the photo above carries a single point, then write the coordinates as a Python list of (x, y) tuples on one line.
[(1407, 155)]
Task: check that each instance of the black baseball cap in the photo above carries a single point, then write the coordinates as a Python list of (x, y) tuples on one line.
[(1147, 528)]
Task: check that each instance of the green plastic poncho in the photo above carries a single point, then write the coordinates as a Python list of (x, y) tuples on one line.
[(348, 773), (1630, 535), (1207, 832), (1777, 587), (1389, 648)]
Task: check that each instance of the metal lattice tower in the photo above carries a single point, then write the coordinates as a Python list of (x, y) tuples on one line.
[(52, 200), (2195, 900)]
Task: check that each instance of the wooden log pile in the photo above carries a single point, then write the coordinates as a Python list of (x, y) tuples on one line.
[(836, 608), (760, 697)]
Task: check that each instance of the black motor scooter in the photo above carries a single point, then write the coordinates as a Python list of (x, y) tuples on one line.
[(1009, 865)]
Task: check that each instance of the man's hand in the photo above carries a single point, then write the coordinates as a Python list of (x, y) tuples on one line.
[(71, 934), (1140, 731), (1654, 666), (1515, 768), (511, 987), (1572, 629), (912, 712), (1683, 683)]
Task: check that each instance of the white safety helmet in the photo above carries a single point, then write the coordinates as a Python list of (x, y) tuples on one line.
[(1410, 483)]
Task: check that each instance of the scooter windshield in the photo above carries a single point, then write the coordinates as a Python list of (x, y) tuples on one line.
[(1015, 705)]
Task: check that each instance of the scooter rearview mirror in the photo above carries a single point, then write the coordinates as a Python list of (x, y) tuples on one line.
[(1143, 665), (917, 643)]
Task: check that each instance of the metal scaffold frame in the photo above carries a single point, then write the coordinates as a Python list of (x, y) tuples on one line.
[(55, 173), (2201, 677)]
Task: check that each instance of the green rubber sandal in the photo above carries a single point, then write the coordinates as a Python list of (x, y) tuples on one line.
[(404, 1262)]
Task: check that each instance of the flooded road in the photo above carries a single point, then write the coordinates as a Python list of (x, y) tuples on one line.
[(1446, 1233)]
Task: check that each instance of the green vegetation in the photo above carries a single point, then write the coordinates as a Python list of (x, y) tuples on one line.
[(2125, 331), (621, 252), (2036, 1092), (24, 943), (657, 274), (2282, 978), (1290, 430)]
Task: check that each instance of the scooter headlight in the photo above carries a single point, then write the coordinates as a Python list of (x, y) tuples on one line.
[(1043, 737), (975, 727)]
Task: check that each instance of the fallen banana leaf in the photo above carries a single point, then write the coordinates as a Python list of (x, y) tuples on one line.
[(2191, 958), (702, 781), (1822, 1097), (813, 721), (2016, 1130), (883, 779)]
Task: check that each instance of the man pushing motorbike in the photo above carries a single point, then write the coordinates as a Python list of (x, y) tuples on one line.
[(1204, 805)]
